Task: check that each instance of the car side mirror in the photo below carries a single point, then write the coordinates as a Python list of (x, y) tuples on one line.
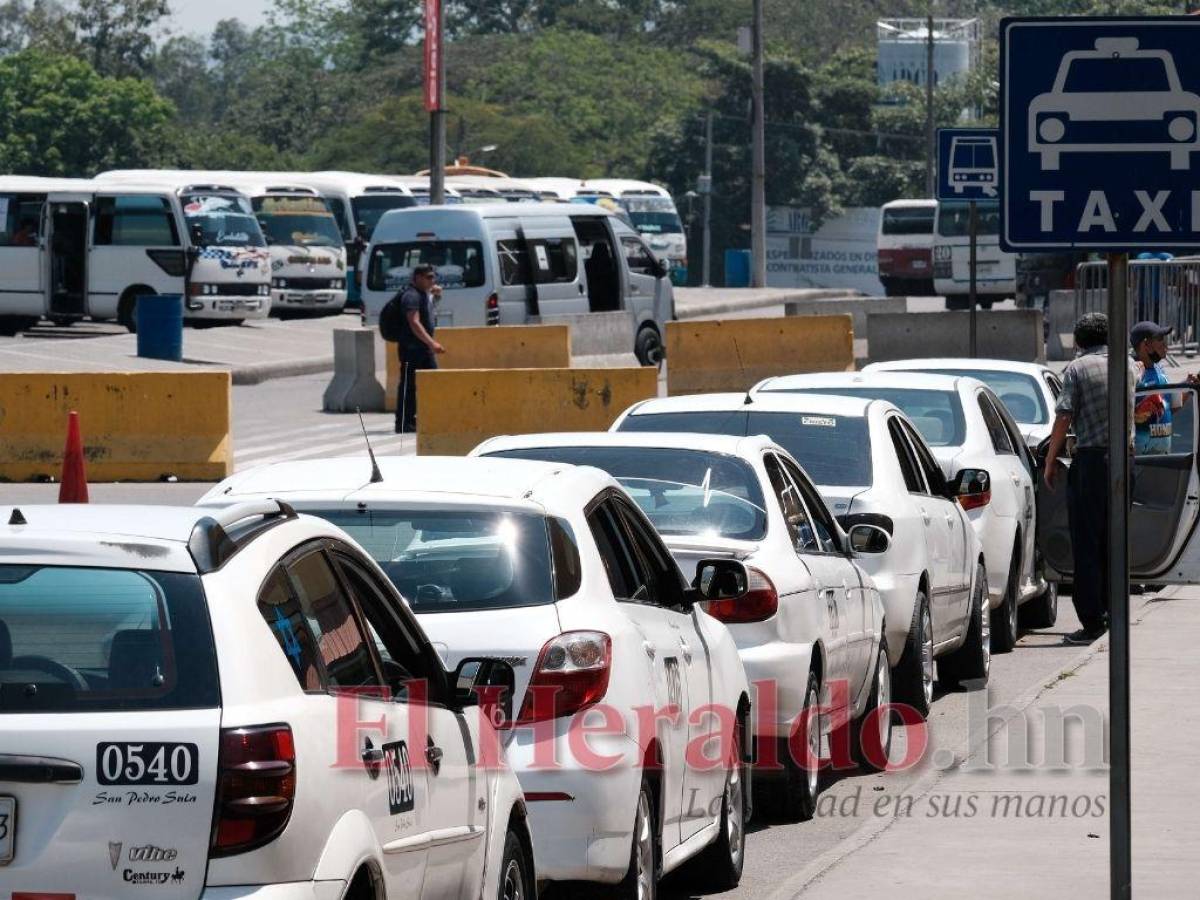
[(487, 683), (868, 539), (720, 579), (662, 268), (197, 234), (972, 488)]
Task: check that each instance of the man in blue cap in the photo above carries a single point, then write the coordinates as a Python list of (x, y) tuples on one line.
[(1153, 413)]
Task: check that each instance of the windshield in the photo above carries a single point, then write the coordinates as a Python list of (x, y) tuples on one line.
[(1106, 76), (973, 154), (682, 492), (1018, 391), (224, 220), (450, 561), (370, 208), (835, 450), (302, 221), (954, 218), (459, 264), (75, 639), (937, 414), (656, 222), (908, 220)]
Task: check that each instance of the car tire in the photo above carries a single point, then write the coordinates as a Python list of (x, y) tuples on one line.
[(1042, 610), (985, 304), (648, 346), (871, 733), (641, 880), (1005, 625), (973, 660), (802, 785), (719, 867), (957, 301), (515, 881), (913, 675)]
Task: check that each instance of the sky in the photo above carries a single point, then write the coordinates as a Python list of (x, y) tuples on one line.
[(199, 16)]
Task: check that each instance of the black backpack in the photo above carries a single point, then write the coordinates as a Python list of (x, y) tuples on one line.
[(391, 319)]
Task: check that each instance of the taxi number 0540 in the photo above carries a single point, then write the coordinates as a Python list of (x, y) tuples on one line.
[(147, 763)]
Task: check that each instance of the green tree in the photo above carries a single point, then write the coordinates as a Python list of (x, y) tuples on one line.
[(116, 36), (58, 116)]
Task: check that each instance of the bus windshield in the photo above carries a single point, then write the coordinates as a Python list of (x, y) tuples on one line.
[(303, 221), (370, 208), (954, 218), (223, 220)]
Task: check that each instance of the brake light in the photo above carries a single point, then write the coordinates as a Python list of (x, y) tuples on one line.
[(492, 308), (974, 501), (256, 787), (757, 604), (572, 674)]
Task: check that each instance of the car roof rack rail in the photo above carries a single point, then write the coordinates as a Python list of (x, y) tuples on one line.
[(211, 543)]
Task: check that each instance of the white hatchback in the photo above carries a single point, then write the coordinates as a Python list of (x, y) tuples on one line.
[(809, 627), (872, 466), (235, 703), (620, 675)]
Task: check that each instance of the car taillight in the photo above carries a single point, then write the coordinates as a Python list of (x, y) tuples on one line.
[(256, 787), (974, 501), (572, 674), (757, 604), (493, 309)]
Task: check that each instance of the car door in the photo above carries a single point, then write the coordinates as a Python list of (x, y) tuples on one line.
[(632, 590), (456, 827), (1164, 546), (949, 517), (1017, 465), (646, 290)]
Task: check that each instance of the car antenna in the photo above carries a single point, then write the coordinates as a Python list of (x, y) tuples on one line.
[(376, 475), (749, 397), (17, 518)]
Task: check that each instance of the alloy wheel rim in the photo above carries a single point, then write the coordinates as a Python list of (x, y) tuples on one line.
[(985, 631), (926, 657), (513, 882), (733, 810), (883, 699), (813, 772), (645, 850)]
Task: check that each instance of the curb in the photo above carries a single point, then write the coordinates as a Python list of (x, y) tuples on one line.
[(256, 373)]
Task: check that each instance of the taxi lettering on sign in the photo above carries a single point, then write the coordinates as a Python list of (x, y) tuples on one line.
[(1100, 125)]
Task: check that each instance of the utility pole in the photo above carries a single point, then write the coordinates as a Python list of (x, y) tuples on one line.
[(930, 146), (758, 207), (707, 185), (435, 101)]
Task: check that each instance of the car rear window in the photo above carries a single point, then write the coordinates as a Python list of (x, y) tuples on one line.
[(93, 640), (450, 560), (459, 264), (908, 220), (938, 415), (1019, 393), (834, 450)]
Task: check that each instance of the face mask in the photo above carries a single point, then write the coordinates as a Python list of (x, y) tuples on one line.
[(1154, 357)]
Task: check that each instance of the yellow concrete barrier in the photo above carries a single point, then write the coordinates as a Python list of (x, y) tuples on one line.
[(458, 409), (492, 347), (137, 426), (734, 354)]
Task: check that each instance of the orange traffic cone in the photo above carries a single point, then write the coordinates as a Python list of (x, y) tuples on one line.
[(74, 487)]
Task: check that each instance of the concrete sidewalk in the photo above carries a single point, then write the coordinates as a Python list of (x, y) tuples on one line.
[(994, 826)]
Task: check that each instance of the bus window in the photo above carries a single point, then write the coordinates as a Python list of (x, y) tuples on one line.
[(20, 218), (136, 220)]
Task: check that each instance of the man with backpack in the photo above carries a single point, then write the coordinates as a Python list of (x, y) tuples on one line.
[(408, 319)]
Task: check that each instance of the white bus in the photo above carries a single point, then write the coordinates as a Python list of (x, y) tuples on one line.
[(996, 271), (904, 247), (558, 189), (419, 185), (75, 248), (655, 217)]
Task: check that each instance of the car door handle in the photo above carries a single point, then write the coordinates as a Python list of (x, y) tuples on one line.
[(433, 756), (649, 648), (372, 756), (686, 650), (925, 516), (950, 520)]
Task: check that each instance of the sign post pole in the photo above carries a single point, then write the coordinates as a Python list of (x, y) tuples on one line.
[(1120, 854), (974, 232), (435, 96)]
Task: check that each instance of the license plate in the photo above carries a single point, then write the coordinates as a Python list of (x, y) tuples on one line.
[(8, 828), (228, 305), (918, 264)]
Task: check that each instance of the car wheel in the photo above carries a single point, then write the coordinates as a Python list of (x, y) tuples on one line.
[(973, 660), (1042, 610), (648, 347), (641, 881), (913, 675), (514, 877), (871, 733), (1005, 630), (719, 867), (984, 304), (802, 782)]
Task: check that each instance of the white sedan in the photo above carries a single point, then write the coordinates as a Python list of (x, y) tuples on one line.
[(872, 466), (221, 704), (618, 670), (967, 427), (810, 622), (1028, 390)]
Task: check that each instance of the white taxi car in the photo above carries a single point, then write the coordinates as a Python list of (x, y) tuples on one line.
[(618, 670), (810, 621), (215, 704), (872, 466), (967, 427)]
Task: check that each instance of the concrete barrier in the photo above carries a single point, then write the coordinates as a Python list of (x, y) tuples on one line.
[(459, 409), (137, 426), (735, 354), (1060, 325), (596, 334), (858, 307), (1002, 334), (492, 347), (354, 385)]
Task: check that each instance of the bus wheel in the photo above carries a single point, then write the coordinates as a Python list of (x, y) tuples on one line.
[(957, 301), (11, 325)]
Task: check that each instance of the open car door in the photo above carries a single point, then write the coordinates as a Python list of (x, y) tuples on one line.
[(1164, 547)]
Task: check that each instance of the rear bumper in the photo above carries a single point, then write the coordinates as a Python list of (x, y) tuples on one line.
[(292, 890)]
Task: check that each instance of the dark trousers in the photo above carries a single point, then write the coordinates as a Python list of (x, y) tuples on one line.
[(412, 360), (1087, 509)]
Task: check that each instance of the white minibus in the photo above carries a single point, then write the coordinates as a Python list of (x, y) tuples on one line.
[(996, 271), (75, 248), (512, 263), (419, 185), (653, 213), (904, 247)]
